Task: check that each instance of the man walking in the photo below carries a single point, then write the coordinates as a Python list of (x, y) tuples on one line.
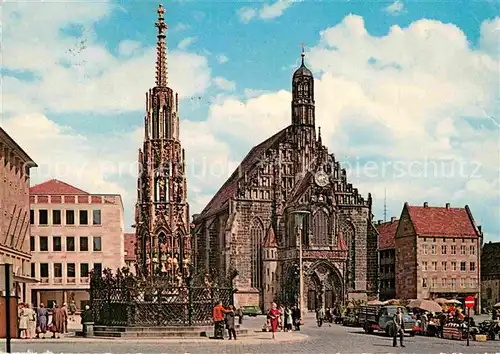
[(399, 328)]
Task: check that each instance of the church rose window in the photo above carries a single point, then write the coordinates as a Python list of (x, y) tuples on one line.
[(256, 237), (320, 233)]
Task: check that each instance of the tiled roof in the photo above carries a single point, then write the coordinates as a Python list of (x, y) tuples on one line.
[(490, 259), (442, 221), (55, 187), (230, 187), (270, 239), (387, 234), (129, 239)]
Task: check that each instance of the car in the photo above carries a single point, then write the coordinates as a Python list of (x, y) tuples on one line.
[(252, 311), (380, 318)]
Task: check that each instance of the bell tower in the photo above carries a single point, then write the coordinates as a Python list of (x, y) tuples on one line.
[(162, 211), (303, 114)]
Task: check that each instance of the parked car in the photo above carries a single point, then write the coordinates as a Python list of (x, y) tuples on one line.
[(380, 318), (252, 311)]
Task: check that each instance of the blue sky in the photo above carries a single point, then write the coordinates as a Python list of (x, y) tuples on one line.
[(403, 88)]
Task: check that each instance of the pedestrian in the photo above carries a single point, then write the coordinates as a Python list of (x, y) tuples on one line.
[(42, 319), (218, 317), (239, 313), (296, 317), (281, 322), (320, 315), (64, 310), (72, 309), (230, 323), (57, 325), (288, 319), (31, 321), (23, 315), (274, 314), (399, 328)]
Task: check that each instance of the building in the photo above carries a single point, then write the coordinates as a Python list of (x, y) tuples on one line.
[(72, 233), (387, 258), (437, 253), (15, 167), (289, 172), (129, 247), (162, 211), (490, 274)]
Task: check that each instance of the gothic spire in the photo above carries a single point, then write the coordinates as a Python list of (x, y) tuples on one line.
[(161, 49), (303, 54), (320, 141)]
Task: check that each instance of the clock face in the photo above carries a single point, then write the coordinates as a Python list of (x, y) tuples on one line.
[(321, 178)]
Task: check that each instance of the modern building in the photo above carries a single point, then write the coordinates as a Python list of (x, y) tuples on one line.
[(437, 253), (15, 167), (387, 258), (72, 233), (291, 172), (490, 274), (129, 247)]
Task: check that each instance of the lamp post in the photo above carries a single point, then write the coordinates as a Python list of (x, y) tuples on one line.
[(299, 218)]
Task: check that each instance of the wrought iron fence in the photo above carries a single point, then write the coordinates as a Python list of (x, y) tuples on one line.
[(125, 300)]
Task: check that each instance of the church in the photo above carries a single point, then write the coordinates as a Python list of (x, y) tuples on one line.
[(289, 204)]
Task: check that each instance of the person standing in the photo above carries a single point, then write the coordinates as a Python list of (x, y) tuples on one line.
[(64, 310), (42, 319), (23, 314), (274, 314), (31, 321), (239, 313), (230, 323), (218, 317), (57, 325), (399, 328), (288, 319)]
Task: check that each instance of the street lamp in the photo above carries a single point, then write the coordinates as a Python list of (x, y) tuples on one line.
[(299, 219)]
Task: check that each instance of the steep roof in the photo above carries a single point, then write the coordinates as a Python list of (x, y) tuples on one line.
[(230, 187), (270, 239), (129, 246), (56, 187), (442, 221), (6, 139), (490, 259), (387, 234)]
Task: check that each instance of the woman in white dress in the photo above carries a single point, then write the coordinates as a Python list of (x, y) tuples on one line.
[(23, 321)]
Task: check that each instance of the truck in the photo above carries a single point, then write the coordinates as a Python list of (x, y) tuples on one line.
[(380, 318)]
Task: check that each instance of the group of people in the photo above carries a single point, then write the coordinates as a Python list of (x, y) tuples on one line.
[(224, 317), (39, 322), (281, 318)]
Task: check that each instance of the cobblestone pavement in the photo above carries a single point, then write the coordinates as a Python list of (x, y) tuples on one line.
[(334, 339)]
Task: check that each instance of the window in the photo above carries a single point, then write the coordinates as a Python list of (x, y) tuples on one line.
[(453, 284), (443, 249), (462, 283), (98, 268), (424, 282), (443, 266), (434, 282), (424, 266), (472, 283), (472, 266), (472, 250), (56, 244), (33, 270), (70, 217), (56, 217), (70, 244), (57, 270), (443, 283), (44, 270), (453, 249), (43, 217), (463, 250), (256, 238), (32, 243), (84, 244), (84, 270), (44, 243), (70, 270), (424, 249), (462, 266), (97, 244), (433, 249), (96, 217), (84, 217), (32, 217), (434, 266), (454, 266)]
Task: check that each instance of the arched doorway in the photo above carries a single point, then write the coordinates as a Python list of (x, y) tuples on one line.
[(324, 287)]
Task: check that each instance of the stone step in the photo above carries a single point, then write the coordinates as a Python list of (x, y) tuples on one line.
[(155, 329), (161, 334)]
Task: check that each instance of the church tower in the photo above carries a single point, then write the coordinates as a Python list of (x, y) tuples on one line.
[(303, 114), (162, 212)]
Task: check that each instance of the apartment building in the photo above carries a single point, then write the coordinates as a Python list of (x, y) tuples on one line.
[(387, 258), (15, 165), (437, 253), (72, 233)]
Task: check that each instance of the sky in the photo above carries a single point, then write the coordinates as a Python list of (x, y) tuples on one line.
[(407, 92)]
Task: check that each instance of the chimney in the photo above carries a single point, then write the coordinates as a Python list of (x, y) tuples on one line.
[(426, 205), (379, 222), (447, 205), (393, 219)]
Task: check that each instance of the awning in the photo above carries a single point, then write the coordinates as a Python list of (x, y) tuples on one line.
[(24, 279)]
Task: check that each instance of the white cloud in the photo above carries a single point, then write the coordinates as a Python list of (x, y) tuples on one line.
[(266, 12), (490, 36), (127, 48), (224, 84), (222, 59), (180, 27), (396, 8), (186, 42)]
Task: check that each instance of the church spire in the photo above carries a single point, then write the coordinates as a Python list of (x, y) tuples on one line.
[(161, 49), (303, 54)]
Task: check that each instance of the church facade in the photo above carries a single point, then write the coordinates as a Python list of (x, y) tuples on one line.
[(251, 224), (163, 236)]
